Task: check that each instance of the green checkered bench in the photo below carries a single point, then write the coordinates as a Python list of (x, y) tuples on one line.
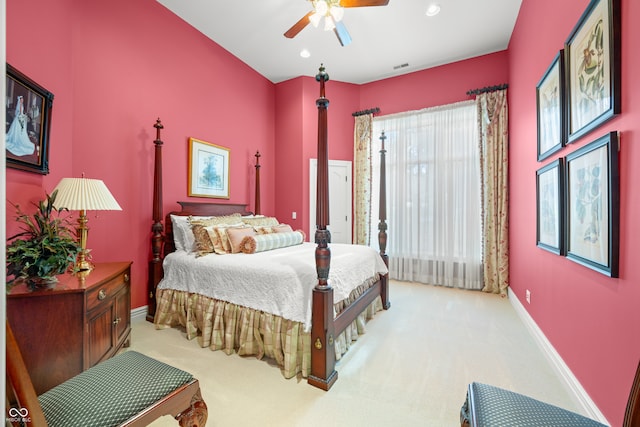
[(492, 406), (128, 389), (489, 406)]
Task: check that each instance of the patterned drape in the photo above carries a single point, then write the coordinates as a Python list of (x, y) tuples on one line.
[(493, 126), (362, 179)]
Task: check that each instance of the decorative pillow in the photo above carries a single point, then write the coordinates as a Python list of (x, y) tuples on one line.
[(219, 237), (203, 243), (235, 236), (263, 230), (304, 235), (282, 228), (264, 221), (266, 242), (232, 219), (183, 237)]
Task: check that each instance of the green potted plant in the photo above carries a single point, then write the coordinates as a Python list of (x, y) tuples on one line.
[(44, 248)]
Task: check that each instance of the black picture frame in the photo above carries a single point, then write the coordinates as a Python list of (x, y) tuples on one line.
[(550, 106), (550, 207), (592, 208), (27, 128), (592, 63)]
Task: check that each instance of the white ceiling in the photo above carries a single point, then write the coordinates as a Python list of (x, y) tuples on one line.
[(383, 36)]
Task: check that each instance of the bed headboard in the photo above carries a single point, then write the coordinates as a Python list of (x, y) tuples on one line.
[(198, 209)]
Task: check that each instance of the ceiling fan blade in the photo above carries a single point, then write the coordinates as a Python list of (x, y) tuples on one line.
[(363, 3), (298, 26), (342, 33)]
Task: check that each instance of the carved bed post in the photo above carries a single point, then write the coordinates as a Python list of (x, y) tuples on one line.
[(382, 225), (257, 205), (157, 239), (323, 373)]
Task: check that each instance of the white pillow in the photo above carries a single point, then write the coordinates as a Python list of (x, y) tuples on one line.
[(183, 237)]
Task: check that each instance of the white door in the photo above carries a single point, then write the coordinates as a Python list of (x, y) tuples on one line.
[(339, 200)]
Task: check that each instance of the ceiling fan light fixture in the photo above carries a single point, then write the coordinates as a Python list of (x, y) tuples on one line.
[(328, 23), (321, 7), (315, 19), (337, 13), (433, 9)]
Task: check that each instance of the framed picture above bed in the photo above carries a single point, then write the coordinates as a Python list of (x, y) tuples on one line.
[(549, 201), (27, 123), (593, 205), (208, 170), (550, 104), (593, 68)]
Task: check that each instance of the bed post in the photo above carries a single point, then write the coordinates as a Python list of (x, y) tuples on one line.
[(323, 374), (157, 239), (382, 225), (256, 208)]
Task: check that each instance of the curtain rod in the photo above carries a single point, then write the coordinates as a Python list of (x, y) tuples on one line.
[(369, 111), (487, 89)]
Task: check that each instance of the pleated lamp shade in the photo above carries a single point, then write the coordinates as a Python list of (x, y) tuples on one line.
[(78, 194)]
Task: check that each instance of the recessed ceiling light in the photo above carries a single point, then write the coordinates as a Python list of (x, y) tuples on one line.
[(433, 9), (305, 53)]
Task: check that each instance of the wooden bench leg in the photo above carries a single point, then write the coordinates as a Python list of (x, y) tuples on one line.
[(196, 415)]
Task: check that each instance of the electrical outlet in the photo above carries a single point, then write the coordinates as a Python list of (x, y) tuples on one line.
[(527, 296), (293, 215)]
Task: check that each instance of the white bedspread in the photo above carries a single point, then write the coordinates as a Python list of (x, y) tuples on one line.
[(278, 281)]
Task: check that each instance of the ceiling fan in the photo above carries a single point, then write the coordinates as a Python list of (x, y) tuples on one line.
[(331, 11)]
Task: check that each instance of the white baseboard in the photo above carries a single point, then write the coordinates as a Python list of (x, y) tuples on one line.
[(139, 313), (566, 376)]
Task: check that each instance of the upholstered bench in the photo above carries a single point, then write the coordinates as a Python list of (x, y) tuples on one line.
[(492, 406), (128, 389)]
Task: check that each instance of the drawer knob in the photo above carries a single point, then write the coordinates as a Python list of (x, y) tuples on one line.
[(102, 294), (126, 277)]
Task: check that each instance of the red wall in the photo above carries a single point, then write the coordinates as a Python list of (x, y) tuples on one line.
[(114, 67), (297, 139), (117, 66), (592, 321)]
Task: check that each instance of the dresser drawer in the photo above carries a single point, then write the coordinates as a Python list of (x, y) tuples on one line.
[(105, 292)]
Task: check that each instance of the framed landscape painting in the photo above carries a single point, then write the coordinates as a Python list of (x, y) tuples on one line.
[(593, 205), (593, 68), (549, 204), (208, 170), (550, 108)]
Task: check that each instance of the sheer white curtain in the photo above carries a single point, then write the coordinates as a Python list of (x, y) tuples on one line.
[(433, 194)]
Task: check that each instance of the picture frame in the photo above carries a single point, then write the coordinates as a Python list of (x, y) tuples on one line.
[(593, 205), (27, 123), (549, 207), (550, 103), (592, 64), (208, 169)]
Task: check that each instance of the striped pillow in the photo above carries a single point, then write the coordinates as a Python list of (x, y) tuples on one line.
[(267, 242)]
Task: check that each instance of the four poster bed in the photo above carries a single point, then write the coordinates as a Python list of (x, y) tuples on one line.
[(288, 301)]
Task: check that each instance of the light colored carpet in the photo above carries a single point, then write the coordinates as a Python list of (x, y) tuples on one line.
[(411, 368)]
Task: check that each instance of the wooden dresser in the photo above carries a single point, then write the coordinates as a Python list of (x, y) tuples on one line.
[(67, 329)]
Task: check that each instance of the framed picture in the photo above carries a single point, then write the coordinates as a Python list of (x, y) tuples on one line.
[(593, 205), (549, 205), (208, 170), (27, 123), (550, 105), (593, 68)]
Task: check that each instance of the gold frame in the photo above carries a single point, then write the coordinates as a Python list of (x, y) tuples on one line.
[(205, 178)]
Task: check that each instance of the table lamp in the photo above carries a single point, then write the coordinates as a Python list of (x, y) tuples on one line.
[(83, 194)]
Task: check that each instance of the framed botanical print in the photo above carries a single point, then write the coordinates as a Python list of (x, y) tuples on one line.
[(28, 121), (593, 68), (593, 205), (550, 104), (208, 169), (549, 205)]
